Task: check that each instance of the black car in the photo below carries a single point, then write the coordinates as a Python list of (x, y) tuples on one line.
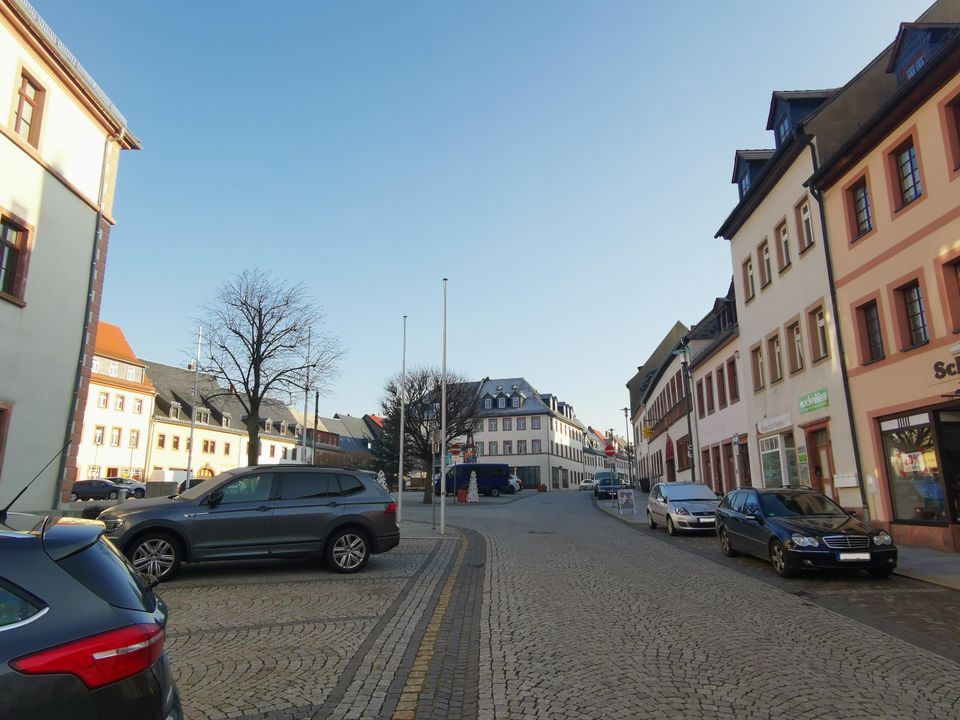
[(262, 511), (607, 488), (801, 529), (97, 490), (81, 633)]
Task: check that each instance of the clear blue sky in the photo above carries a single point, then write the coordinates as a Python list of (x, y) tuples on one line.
[(565, 164)]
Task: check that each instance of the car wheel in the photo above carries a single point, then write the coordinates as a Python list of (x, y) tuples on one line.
[(495, 492), (138, 493), (778, 556), (73, 497), (156, 554), (725, 546), (671, 530), (348, 551), (881, 572), (112, 496), (650, 522)]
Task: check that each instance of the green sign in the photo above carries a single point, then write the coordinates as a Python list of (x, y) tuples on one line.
[(816, 400)]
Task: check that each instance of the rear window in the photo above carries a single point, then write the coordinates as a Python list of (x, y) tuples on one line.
[(300, 485), (16, 605), (349, 485), (104, 571)]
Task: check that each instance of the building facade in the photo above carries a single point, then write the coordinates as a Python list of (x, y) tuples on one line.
[(60, 141), (119, 409), (892, 203)]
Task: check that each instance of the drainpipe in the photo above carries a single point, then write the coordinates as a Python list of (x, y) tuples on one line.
[(88, 308), (806, 139)]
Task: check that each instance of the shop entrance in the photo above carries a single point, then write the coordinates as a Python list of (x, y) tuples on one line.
[(820, 461), (949, 437)]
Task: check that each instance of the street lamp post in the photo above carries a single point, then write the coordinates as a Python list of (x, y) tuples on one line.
[(626, 425)]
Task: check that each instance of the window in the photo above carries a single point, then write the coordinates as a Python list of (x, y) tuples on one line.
[(283, 454), (756, 361), (794, 347), (535, 446), (114, 369), (915, 67), (775, 358), (16, 606), (733, 383), (749, 285), (494, 447), (535, 423), (226, 448), (806, 226), (98, 432), (783, 248), (95, 365), (871, 341), (783, 129), (766, 274), (492, 424), (13, 259), (859, 200), (203, 416), (521, 447), (488, 403), (507, 424), (250, 488), (911, 306), (138, 406), (508, 447), (161, 441), (176, 442), (131, 373), (952, 112), (225, 420), (209, 446), (916, 480), (817, 322), (701, 407), (906, 173), (708, 384), (118, 402), (115, 437), (521, 423), (134, 439), (29, 112), (479, 448), (273, 451), (103, 400), (175, 411), (501, 403), (721, 388), (515, 401), (300, 485)]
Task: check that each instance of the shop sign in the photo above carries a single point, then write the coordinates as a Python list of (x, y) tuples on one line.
[(802, 454), (816, 400), (768, 425)]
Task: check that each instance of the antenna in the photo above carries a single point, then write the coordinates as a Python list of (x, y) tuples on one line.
[(3, 513)]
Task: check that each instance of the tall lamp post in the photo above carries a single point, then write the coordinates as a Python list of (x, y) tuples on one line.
[(626, 423), (692, 446)]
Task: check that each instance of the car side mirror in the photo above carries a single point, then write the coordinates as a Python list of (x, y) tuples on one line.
[(852, 513), (215, 498)]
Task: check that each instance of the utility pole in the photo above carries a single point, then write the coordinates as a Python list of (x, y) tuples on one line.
[(626, 423), (443, 415), (193, 409), (403, 427), (316, 423), (306, 392)]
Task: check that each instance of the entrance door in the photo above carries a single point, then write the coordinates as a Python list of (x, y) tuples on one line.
[(949, 437), (820, 459), (671, 471), (728, 481)]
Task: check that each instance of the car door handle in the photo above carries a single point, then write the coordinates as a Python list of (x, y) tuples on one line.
[(263, 508)]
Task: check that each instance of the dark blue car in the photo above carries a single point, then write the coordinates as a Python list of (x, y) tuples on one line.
[(801, 529), (492, 478)]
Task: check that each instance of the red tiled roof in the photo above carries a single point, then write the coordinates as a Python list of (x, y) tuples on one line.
[(111, 343), (377, 419)]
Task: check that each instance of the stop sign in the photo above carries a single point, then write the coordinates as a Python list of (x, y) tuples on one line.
[(455, 449), (609, 450)]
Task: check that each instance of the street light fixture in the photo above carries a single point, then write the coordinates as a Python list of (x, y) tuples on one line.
[(684, 350)]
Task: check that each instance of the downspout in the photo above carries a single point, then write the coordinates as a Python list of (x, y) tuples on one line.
[(805, 139), (88, 308)]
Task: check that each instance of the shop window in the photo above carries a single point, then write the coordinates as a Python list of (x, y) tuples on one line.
[(916, 487), (778, 461)]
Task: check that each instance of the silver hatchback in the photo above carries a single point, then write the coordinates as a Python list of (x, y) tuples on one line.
[(682, 507), (264, 511)]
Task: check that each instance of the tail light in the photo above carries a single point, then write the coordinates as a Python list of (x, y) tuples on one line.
[(100, 659), (391, 509)]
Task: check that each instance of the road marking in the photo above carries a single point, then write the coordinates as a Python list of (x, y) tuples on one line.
[(410, 695)]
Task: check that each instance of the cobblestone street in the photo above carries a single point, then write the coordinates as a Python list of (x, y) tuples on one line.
[(542, 606)]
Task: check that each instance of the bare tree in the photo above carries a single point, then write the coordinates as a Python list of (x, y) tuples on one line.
[(258, 331), (423, 392)]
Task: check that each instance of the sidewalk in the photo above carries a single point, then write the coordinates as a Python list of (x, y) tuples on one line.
[(924, 564)]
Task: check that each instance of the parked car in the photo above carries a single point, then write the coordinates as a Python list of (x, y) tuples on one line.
[(99, 489), (492, 478), (607, 488), (801, 529), (277, 511), (600, 477), (515, 483), (133, 487), (682, 507), (81, 633), (587, 484)]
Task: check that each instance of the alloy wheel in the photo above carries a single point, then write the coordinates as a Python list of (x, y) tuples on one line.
[(349, 551), (154, 557)]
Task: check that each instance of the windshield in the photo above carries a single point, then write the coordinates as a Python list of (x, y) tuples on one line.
[(689, 491), (793, 504), (201, 489)]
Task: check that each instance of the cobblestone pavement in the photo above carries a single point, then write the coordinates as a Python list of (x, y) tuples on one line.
[(548, 608)]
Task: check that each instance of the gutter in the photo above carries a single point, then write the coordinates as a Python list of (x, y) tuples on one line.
[(806, 139)]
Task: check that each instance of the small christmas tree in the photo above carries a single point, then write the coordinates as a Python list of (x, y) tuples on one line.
[(472, 495), (382, 480)]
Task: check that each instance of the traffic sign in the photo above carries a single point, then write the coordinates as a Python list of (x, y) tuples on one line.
[(609, 450), (455, 449)]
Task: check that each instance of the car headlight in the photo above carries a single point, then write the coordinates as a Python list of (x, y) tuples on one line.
[(804, 541), (113, 524), (883, 538), (681, 510)]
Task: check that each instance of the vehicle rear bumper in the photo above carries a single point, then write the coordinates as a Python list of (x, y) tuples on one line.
[(830, 559), (382, 543)]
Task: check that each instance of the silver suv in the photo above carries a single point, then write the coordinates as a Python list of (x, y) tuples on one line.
[(263, 511)]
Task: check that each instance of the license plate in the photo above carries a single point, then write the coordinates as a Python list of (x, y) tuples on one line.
[(854, 556), (707, 519)]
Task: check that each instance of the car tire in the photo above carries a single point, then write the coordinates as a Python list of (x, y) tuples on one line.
[(671, 530), (348, 550), (139, 494), (156, 553), (112, 496), (778, 556), (495, 492), (726, 547), (73, 497), (882, 572), (650, 522)]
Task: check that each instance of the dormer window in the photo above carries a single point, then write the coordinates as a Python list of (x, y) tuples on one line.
[(783, 128), (203, 416), (488, 403), (225, 420), (515, 401), (915, 66), (744, 183), (175, 411), (501, 403)]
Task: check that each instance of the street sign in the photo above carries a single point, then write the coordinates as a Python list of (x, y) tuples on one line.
[(610, 450), (455, 449)]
